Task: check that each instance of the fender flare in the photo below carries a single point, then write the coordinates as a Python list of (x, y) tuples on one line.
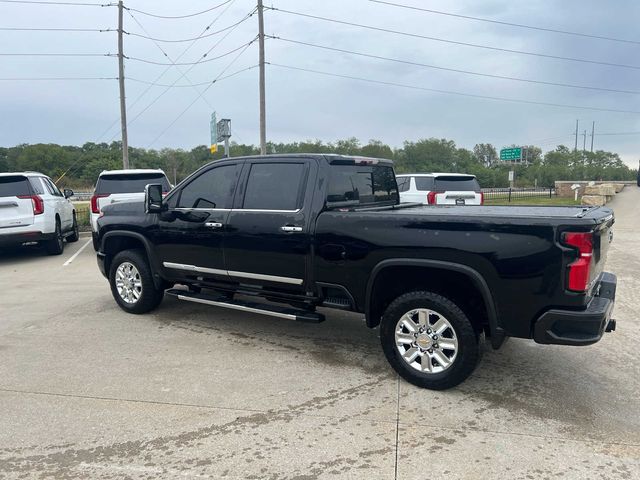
[(153, 260), (497, 333)]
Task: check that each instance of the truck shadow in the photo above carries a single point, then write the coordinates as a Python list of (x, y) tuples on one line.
[(21, 254)]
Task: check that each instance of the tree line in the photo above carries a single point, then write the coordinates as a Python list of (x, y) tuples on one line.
[(78, 166)]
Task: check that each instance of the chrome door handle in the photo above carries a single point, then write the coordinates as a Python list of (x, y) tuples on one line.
[(289, 228), (213, 225)]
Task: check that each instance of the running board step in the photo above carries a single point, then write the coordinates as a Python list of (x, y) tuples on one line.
[(252, 307)]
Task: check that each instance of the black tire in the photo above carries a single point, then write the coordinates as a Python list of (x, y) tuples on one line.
[(468, 348), (94, 240), (55, 246), (149, 296), (75, 235)]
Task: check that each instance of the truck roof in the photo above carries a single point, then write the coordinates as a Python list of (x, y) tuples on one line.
[(329, 157), (131, 170), (25, 174)]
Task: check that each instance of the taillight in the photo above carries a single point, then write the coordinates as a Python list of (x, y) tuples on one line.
[(481, 198), (431, 198), (579, 270), (36, 202), (94, 202)]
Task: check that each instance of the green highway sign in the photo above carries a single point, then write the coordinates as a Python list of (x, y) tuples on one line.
[(511, 154)]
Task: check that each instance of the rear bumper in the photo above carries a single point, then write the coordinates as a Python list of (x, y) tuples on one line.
[(581, 327), (24, 237)]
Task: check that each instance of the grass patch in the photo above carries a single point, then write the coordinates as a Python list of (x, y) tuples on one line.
[(532, 201), (82, 214)]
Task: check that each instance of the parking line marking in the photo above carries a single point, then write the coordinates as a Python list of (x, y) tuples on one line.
[(73, 257)]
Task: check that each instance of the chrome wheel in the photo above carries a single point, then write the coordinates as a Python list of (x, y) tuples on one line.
[(426, 340), (128, 282)]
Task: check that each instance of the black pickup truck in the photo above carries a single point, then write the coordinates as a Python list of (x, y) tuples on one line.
[(307, 231)]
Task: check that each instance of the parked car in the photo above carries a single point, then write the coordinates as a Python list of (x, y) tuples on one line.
[(440, 189), (32, 209), (122, 186), (328, 230)]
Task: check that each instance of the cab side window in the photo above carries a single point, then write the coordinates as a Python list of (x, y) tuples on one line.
[(275, 186), (211, 189)]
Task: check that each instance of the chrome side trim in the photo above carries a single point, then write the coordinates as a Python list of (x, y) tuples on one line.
[(193, 268), (215, 271), (270, 278), (237, 307), (265, 210), (187, 209)]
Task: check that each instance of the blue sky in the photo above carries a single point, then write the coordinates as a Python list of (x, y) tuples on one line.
[(302, 105)]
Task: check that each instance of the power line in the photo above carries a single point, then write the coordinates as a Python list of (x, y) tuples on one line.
[(200, 84), (183, 40), (78, 4), (166, 55), (467, 72), (178, 16), (203, 92), (499, 22), (57, 54), (28, 29), (454, 42), (146, 90), (24, 79), (248, 15), (450, 92), (618, 133), (203, 59)]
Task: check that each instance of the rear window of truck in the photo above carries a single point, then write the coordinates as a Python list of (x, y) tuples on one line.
[(14, 186), (351, 185), (458, 184), (132, 183)]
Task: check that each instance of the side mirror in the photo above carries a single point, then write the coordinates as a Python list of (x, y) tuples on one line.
[(153, 199), (68, 193)]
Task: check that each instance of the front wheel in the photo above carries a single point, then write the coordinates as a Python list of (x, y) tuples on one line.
[(429, 340), (132, 282)]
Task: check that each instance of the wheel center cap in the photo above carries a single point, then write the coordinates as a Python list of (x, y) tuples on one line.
[(424, 341)]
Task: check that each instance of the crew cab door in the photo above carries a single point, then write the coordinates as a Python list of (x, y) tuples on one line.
[(189, 235), (268, 238)]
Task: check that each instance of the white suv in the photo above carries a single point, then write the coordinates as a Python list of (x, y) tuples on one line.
[(440, 189), (32, 209), (122, 186)]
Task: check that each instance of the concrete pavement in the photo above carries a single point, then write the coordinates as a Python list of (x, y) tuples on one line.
[(189, 391)]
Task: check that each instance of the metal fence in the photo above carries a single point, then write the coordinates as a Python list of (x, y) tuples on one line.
[(516, 193)]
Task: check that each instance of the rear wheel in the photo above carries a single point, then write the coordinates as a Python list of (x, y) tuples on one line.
[(132, 284), (429, 340), (55, 246), (94, 240), (75, 235)]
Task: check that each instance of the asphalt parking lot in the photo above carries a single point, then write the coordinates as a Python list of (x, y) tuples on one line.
[(189, 391)]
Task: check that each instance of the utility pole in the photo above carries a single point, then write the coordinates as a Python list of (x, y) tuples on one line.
[(575, 149), (593, 131), (123, 105), (584, 141), (263, 117)]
